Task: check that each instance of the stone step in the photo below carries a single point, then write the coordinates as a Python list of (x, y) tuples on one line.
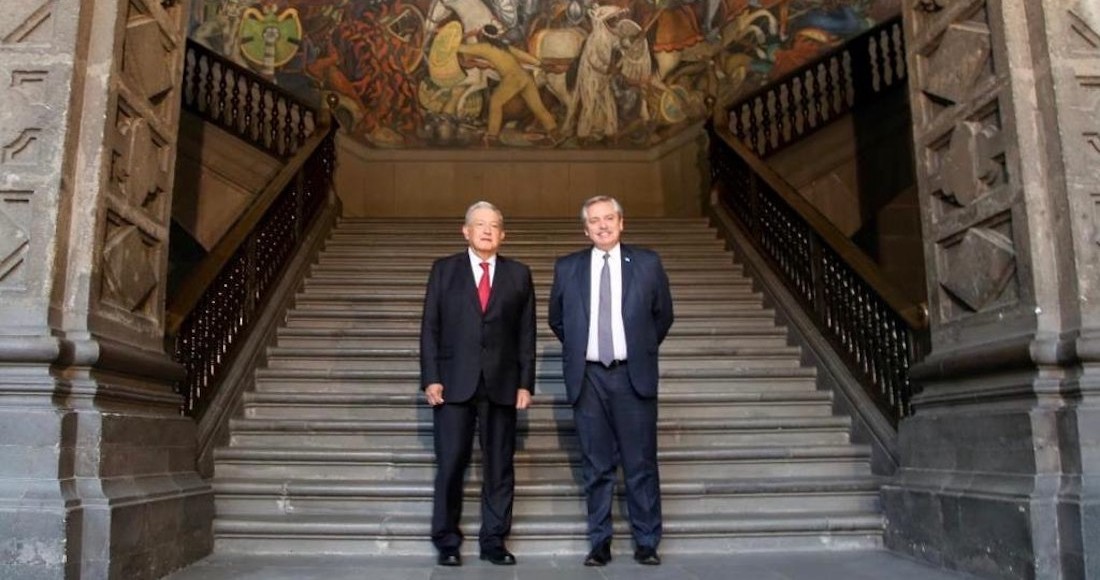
[(528, 255), (410, 322), (546, 535), (434, 225), (679, 498), (340, 280), (411, 405), (327, 265), (340, 339), (538, 434), (746, 382), (513, 247), (548, 357), (676, 461), (412, 309), (549, 381), (359, 292)]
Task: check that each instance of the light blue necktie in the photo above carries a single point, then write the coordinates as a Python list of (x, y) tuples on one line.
[(603, 322)]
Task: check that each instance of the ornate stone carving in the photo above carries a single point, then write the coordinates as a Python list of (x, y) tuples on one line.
[(930, 5), (13, 237), (146, 52), (27, 23), (22, 150), (130, 274), (139, 163), (969, 170), (958, 63), (978, 268)]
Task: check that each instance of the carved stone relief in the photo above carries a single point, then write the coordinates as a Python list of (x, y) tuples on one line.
[(139, 168), (14, 215), (141, 146), (978, 268), (146, 50), (130, 267), (960, 61), (27, 23)]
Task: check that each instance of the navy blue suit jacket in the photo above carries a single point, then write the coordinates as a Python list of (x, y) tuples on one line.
[(458, 343), (647, 315)]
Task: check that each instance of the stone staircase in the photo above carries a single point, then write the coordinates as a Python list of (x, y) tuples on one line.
[(333, 453)]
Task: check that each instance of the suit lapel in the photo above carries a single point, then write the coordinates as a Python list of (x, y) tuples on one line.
[(501, 283), (627, 259), (463, 281), (583, 274)]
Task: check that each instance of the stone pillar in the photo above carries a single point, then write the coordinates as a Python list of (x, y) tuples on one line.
[(97, 475), (1000, 463)]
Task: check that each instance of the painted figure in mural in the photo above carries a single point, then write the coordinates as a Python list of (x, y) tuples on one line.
[(597, 115), (514, 80), (221, 28), (628, 72), (676, 28), (367, 64)]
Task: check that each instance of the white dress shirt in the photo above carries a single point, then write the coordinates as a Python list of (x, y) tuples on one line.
[(475, 264), (618, 332)]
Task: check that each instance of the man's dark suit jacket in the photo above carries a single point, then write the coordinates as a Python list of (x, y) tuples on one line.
[(458, 343), (647, 315)]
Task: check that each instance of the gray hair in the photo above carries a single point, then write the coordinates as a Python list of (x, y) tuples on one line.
[(483, 205), (599, 199)]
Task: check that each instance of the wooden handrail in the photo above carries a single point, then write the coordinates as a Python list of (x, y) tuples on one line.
[(804, 100), (914, 314), (825, 56), (203, 274)]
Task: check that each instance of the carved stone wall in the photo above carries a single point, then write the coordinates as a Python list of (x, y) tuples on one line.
[(97, 476), (997, 460)]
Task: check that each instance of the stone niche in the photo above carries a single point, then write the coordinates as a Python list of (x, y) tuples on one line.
[(669, 179)]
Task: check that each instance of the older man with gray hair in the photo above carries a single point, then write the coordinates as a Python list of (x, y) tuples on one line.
[(477, 368)]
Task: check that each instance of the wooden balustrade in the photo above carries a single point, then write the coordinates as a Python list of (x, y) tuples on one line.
[(876, 330), (244, 103), (223, 295), (803, 101)]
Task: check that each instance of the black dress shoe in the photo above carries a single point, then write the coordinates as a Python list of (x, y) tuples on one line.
[(498, 556), (600, 555), (449, 558), (647, 556)]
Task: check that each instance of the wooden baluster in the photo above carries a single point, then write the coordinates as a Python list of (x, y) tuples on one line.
[(849, 83), (899, 50), (825, 93), (798, 107), (887, 62), (786, 114), (771, 122), (274, 124)]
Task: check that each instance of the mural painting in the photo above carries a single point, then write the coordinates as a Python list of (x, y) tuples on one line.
[(527, 73)]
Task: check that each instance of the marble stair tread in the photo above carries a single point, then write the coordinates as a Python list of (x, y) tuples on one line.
[(417, 526)]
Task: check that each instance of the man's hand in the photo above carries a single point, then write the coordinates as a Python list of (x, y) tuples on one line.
[(434, 394), (523, 399)]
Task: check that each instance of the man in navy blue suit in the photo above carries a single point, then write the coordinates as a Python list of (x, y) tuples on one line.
[(611, 308), (477, 366)]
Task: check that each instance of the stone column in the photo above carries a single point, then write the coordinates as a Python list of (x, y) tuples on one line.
[(1000, 461), (97, 475)]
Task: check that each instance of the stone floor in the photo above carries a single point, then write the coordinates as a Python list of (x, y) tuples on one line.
[(846, 565)]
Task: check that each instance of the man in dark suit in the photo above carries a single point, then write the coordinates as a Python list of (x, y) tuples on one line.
[(611, 307), (477, 366)]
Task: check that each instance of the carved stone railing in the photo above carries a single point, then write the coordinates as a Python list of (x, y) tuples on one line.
[(878, 332), (803, 101), (247, 105)]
